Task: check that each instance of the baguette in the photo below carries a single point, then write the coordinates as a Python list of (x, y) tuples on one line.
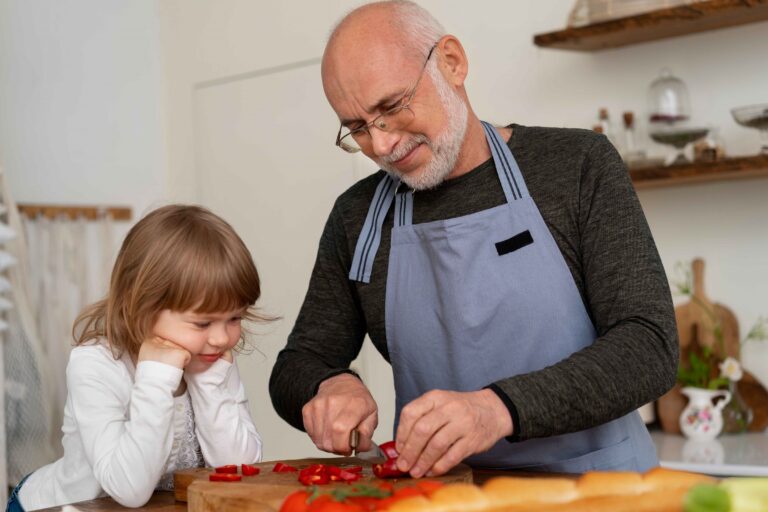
[(658, 490)]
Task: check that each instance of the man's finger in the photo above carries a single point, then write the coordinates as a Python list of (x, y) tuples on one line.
[(436, 446), (457, 452), (412, 413), (421, 434)]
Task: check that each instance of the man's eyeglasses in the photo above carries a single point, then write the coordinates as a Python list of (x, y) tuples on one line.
[(393, 119)]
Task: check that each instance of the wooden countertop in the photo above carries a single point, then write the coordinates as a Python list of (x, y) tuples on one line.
[(163, 501)]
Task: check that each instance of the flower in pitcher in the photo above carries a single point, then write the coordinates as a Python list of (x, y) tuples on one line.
[(731, 369)]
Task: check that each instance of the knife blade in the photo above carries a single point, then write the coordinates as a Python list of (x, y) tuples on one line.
[(373, 454)]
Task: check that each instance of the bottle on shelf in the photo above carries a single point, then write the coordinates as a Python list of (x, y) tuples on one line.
[(631, 153), (607, 127)]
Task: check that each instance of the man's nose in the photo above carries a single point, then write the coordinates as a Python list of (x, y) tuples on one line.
[(383, 142)]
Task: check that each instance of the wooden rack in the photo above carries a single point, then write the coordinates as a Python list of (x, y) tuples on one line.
[(52, 211), (696, 172), (659, 24)]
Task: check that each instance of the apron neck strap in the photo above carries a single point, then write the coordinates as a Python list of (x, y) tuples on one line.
[(387, 190), (506, 167), (403, 208)]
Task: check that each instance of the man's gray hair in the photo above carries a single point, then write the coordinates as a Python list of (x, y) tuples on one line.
[(421, 30)]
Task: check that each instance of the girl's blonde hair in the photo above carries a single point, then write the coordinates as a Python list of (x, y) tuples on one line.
[(177, 257)]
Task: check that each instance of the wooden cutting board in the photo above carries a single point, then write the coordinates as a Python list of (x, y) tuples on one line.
[(695, 320), (266, 491)]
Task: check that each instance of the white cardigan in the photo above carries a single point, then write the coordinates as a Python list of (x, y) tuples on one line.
[(119, 428)]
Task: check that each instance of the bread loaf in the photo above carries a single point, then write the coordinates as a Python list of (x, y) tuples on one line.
[(659, 490)]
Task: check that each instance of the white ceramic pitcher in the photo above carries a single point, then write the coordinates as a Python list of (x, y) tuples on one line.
[(702, 420)]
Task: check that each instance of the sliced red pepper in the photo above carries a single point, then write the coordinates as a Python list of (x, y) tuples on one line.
[(314, 478), (388, 469), (249, 470), (354, 469), (229, 468), (389, 450), (349, 476), (283, 468), (224, 477)]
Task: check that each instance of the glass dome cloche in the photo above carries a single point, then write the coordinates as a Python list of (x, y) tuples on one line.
[(669, 114)]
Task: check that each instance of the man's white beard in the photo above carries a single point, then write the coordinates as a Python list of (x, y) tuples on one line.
[(445, 148)]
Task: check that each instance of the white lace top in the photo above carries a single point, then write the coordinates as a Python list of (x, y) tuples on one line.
[(185, 449)]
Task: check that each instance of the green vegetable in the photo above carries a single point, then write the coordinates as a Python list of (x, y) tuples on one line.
[(747, 494), (707, 498)]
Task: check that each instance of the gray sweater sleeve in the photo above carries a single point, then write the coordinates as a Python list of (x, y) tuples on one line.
[(328, 333), (634, 359)]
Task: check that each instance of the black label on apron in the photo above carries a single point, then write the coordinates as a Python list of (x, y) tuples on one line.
[(516, 242)]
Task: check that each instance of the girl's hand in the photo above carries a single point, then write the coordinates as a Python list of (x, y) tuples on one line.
[(164, 351)]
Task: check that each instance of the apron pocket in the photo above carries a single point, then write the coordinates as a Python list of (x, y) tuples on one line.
[(516, 242)]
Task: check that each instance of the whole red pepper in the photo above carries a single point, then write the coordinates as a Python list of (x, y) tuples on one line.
[(389, 450), (388, 469)]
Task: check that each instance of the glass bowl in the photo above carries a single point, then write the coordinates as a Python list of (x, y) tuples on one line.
[(754, 116)]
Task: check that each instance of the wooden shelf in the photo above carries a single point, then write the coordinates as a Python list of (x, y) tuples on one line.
[(73, 212), (660, 24), (727, 169)]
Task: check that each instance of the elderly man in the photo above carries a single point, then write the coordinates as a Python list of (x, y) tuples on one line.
[(507, 274)]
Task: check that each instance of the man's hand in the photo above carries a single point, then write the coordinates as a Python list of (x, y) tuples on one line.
[(342, 404), (164, 351), (441, 428)]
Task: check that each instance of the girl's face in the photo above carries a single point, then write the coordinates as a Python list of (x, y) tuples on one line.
[(207, 336)]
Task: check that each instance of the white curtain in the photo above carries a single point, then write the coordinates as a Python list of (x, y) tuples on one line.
[(67, 268), (61, 266)]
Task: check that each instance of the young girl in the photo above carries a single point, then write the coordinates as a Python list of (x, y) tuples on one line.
[(152, 382)]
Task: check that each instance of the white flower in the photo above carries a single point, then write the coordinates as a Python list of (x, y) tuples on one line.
[(731, 369)]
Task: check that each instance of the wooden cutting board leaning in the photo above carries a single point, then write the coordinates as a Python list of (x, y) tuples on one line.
[(695, 321), (266, 491)]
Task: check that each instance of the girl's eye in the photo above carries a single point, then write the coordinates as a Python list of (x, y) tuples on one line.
[(202, 325), (235, 319)]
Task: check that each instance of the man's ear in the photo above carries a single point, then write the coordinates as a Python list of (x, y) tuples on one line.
[(453, 60)]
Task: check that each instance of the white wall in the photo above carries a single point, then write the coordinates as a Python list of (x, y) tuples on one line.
[(81, 102), (106, 101)]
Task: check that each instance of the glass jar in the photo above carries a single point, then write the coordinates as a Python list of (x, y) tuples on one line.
[(668, 100), (737, 415)]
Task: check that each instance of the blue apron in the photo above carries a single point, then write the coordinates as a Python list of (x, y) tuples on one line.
[(475, 299)]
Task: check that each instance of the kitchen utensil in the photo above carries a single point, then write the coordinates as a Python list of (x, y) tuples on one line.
[(754, 116), (268, 489)]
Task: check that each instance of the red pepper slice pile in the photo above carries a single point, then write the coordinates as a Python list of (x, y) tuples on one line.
[(228, 473), (224, 477), (388, 469), (249, 470), (321, 474), (284, 468)]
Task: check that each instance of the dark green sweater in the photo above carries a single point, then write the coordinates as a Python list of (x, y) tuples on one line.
[(587, 200)]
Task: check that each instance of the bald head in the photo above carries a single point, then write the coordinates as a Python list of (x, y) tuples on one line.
[(380, 31)]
